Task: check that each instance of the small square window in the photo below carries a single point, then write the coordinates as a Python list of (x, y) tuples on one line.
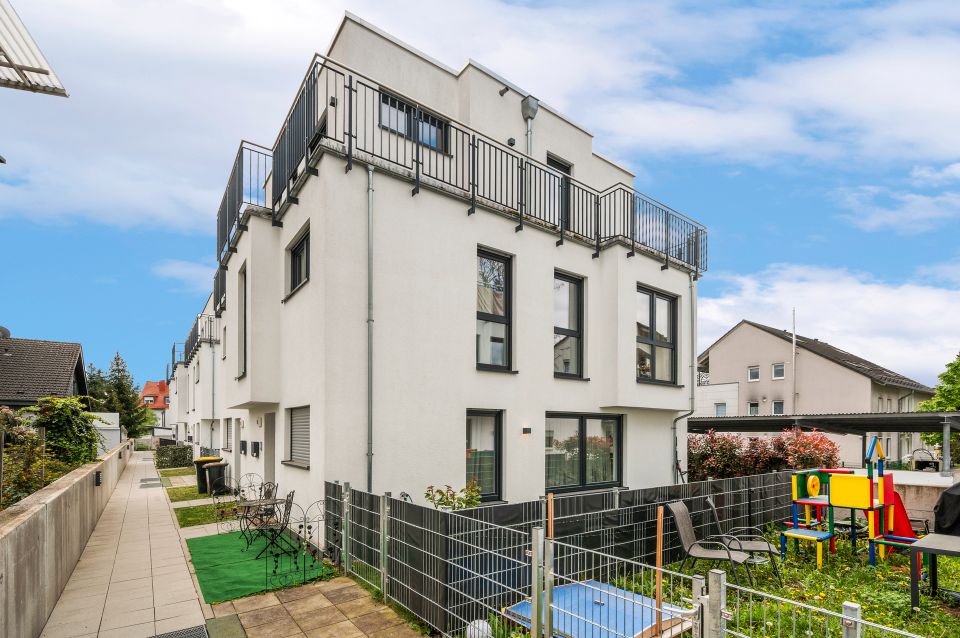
[(778, 371), (753, 373), (753, 408), (720, 409), (778, 407)]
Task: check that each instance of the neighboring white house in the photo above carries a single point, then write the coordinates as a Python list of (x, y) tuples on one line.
[(108, 424), (748, 371), (414, 300)]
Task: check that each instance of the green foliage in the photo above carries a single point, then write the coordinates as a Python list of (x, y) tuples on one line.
[(716, 455), (946, 398), (447, 498), (173, 456), (115, 391), (71, 434), (26, 466)]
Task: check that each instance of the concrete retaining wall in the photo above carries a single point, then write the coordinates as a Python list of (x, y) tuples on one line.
[(42, 537)]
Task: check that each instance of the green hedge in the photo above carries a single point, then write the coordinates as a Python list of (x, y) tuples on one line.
[(173, 456)]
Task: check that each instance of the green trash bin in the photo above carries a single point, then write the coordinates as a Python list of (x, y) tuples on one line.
[(216, 478), (201, 475)]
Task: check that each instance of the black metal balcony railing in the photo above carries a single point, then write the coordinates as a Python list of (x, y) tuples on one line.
[(219, 290), (359, 116), (176, 356), (245, 186), (204, 330)]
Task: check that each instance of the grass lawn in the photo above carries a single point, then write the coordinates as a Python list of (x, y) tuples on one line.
[(184, 493), (178, 471), (202, 514), (882, 591)]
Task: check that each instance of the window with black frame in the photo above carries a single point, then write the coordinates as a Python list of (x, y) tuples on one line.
[(582, 451), (409, 121), (483, 452), (493, 311), (300, 262), (567, 326), (656, 337)]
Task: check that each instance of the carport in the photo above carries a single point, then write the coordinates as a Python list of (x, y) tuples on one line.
[(856, 424)]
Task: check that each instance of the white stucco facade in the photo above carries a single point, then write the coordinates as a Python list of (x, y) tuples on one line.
[(278, 351)]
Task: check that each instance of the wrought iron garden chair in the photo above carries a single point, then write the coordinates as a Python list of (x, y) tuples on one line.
[(274, 529), (747, 539), (710, 549)]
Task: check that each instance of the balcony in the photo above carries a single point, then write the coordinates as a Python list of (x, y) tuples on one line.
[(341, 111), (176, 356), (220, 290), (245, 187), (204, 330)]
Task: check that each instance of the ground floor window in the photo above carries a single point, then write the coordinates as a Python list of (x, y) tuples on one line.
[(300, 435), (483, 452), (583, 451)]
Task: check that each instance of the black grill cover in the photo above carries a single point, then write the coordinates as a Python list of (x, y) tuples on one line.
[(947, 512)]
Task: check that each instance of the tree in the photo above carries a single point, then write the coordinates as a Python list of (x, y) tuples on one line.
[(98, 388), (946, 398), (124, 398)]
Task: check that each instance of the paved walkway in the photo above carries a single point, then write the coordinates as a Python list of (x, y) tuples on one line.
[(132, 579)]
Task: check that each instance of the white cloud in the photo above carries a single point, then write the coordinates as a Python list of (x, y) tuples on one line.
[(191, 277), (875, 208), (947, 272), (909, 327), (930, 176)]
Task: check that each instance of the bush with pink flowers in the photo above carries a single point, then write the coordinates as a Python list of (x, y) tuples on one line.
[(716, 455)]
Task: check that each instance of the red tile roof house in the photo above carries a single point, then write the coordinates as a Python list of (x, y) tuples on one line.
[(155, 395)]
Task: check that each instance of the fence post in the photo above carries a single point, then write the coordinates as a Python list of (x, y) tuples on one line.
[(384, 545), (345, 532), (851, 621), (666, 241), (717, 580), (548, 587), (349, 124), (521, 209), (699, 600), (536, 585)]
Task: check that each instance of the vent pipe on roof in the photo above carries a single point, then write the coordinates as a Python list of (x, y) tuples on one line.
[(528, 108)]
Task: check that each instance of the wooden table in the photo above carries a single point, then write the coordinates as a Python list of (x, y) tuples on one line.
[(932, 545)]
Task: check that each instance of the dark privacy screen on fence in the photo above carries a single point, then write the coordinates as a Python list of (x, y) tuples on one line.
[(451, 568)]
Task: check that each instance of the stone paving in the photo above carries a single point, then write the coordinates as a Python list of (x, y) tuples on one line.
[(337, 608), (132, 579)]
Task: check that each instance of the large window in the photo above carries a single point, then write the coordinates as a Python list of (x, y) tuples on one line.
[(242, 320), (405, 119), (567, 326), (300, 262), (300, 436), (493, 311), (483, 452), (656, 337), (582, 451)]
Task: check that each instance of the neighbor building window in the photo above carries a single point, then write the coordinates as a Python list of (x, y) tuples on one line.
[(409, 121), (567, 325), (148, 400), (300, 436), (778, 372), (656, 337), (483, 452), (242, 321), (582, 451), (753, 373), (753, 408), (493, 311), (720, 409), (778, 407), (300, 262)]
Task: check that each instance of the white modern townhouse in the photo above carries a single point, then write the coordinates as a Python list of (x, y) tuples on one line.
[(433, 279)]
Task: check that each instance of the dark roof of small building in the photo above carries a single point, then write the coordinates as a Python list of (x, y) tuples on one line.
[(32, 368), (858, 424), (846, 359)]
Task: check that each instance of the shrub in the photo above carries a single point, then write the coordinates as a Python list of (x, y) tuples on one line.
[(173, 456), (71, 434), (715, 455), (809, 449), (26, 467), (447, 498)]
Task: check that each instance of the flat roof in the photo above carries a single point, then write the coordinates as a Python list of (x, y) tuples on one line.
[(858, 424)]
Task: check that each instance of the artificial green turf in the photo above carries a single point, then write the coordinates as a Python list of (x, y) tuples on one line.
[(178, 471), (225, 570)]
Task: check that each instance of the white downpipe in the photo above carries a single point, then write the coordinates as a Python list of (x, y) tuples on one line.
[(369, 328), (693, 377)]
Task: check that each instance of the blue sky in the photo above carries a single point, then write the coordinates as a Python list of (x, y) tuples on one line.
[(818, 141)]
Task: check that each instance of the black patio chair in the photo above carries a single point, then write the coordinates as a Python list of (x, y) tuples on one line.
[(747, 539), (709, 549), (274, 529)]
